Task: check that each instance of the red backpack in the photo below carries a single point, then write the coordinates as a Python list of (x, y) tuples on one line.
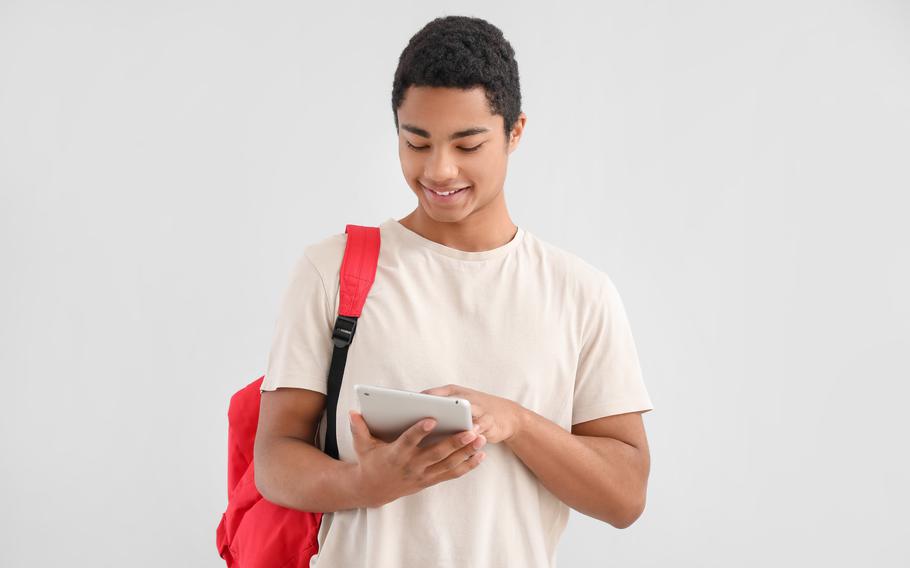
[(254, 532)]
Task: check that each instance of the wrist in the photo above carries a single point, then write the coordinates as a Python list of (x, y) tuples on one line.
[(522, 419), (362, 493), (353, 480)]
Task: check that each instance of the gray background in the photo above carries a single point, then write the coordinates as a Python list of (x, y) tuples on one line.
[(740, 170)]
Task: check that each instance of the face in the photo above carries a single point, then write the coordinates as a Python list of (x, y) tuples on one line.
[(449, 140)]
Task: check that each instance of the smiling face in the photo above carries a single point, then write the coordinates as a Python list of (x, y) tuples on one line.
[(449, 140)]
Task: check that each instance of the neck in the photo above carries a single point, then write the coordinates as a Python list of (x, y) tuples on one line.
[(482, 230)]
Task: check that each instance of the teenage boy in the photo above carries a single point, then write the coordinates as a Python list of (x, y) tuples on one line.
[(464, 303)]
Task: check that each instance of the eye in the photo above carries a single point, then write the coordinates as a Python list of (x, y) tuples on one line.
[(468, 150)]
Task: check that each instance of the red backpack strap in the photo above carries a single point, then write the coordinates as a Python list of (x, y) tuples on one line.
[(358, 270)]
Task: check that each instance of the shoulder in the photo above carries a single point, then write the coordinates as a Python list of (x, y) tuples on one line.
[(568, 268), (323, 257)]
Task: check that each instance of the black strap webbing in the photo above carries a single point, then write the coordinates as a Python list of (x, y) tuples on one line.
[(342, 336)]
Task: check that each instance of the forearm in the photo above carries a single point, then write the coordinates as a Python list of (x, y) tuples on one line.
[(297, 475), (595, 476)]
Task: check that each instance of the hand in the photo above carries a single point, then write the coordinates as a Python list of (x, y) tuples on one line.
[(498, 418), (387, 471)]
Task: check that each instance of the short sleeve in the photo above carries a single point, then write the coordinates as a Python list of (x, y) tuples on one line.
[(301, 349), (608, 379)]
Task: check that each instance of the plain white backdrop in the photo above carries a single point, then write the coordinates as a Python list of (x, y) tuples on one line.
[(739, 169)]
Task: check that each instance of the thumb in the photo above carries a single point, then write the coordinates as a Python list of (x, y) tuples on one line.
[(360, 430)]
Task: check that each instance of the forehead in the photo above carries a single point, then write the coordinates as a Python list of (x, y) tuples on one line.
[(444, 110)]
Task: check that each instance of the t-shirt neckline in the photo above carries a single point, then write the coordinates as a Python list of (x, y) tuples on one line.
[(442, 249)]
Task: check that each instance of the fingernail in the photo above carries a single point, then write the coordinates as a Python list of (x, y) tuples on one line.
[(428, 425)]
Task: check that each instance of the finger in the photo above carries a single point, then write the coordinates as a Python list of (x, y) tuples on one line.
[(439, 391), (444, 448), (460, 469), (477, 414), (456, 458), (413, 435), (485, 422), (363, 439)]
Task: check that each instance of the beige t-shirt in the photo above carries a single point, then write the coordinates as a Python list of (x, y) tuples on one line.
[(526, 321)]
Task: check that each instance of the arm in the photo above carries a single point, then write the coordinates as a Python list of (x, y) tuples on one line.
[(289, 469), (600, 469)]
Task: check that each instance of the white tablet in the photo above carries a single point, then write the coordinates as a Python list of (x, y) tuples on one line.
[(389, 412)]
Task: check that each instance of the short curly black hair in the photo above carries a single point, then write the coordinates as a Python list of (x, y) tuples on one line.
[(462, 52)]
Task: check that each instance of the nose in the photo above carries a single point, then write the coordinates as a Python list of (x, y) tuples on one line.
[(440, 166)]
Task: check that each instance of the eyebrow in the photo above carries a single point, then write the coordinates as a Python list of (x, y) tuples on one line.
[(460, 134)]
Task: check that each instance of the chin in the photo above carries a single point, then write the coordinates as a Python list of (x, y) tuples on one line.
[(445, 216)]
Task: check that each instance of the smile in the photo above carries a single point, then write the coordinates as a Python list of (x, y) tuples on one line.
[(446, 196)]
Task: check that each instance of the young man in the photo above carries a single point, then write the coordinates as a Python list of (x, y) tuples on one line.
[(464, 303)]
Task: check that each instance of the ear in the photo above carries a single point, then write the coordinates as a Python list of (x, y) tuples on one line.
[(517, 131)]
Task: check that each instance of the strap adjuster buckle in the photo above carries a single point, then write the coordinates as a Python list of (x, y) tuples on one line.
[(343, 333)]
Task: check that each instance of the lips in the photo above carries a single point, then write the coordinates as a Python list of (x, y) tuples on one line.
[(451, 198), (445, 190)]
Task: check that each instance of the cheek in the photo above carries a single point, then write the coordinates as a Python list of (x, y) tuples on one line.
[(482, 169), (411, 165)]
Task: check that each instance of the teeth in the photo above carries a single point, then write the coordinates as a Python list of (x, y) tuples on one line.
[(446, 193)]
